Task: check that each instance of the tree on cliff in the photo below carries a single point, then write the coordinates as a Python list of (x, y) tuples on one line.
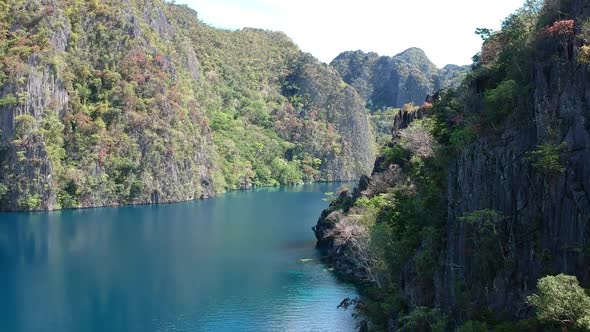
[(561, 300)]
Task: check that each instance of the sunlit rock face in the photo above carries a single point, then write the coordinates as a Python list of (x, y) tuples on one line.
[(139, 102), (408, 77)]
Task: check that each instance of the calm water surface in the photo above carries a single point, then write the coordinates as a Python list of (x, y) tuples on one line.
[(235, 263)]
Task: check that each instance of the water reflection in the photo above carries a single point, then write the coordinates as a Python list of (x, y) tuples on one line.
[(232, 263)]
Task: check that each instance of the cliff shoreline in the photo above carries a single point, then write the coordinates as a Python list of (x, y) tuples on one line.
[(515, 187)]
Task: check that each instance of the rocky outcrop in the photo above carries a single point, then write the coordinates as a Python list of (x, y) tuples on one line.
[(395, 81), (449, 77), (139, 102), (336, 103), (547, 217), (332, 245), (45, 164), (39, 90), (541, 217)]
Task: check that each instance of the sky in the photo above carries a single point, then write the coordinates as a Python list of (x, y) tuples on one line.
[(444, 29)]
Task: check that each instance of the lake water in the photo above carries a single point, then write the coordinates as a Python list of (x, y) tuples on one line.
[(241, 262)]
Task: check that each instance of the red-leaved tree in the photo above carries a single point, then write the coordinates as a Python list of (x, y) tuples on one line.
[(564, 31)]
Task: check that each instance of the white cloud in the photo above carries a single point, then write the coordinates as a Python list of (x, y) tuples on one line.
[(443, 29)]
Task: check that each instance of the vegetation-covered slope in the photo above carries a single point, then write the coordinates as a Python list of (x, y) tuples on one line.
[(391, 82), (137, 101), (482, 199)]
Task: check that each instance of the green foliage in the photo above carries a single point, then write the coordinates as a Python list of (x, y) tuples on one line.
[(488, 243), (584, 36), (31, 202), (501, 101), (67, 200), (382, 121), (172, 109), (52, 130), (286, 172), (562, 301), (584, 55), (8, 100), (461, 138), (526, 325), (407, 221), (396, 154), (410, 230), (428, 256), (423, 319), (484, 33), (25, 125), (473, 326), (487, 218), (503, 69), (452, 128), (546, 159), (254, 93), (3, 191), (376, 202)]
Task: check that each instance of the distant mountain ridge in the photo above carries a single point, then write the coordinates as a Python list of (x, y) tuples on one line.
[(386, 81)]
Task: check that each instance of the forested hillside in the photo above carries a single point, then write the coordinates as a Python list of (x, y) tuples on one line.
[(137, 101), (391, 82), (477, 215)]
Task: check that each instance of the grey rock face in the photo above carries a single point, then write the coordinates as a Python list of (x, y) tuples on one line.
[(547, 225), (31, 175), (408, 77), (342, 106), (131, 86), (42, 91)]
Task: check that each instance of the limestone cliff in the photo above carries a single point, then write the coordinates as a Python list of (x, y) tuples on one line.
[(385, 81), (547, 225), (324, 95), (511, 174), (137, 101)]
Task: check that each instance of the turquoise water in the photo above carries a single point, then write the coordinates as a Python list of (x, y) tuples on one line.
[(232, 263)]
